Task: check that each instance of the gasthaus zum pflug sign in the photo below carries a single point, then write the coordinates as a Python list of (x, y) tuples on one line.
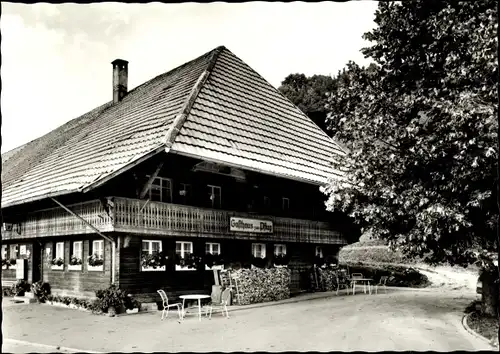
[(250, 225)]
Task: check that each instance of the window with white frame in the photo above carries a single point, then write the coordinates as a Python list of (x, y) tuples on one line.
[(4, 251), (182, 249), (77, 249), (185, 193), (285, 203), (279, 250), (98, 248), (59, 250), (259, 250), (319, 252), (213, 248), (161, 190), (215, 196), (13, 251), (151, 246)]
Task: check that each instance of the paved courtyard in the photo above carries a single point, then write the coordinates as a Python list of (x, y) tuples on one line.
[(400, 320)]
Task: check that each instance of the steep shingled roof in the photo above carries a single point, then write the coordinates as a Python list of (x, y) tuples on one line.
[(214, 107)]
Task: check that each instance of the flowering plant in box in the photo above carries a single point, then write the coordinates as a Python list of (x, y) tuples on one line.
[(281, 259), (5, 262), (213, 259), (75, 261), (154, 260), (189, 260), (94, 260), (57, 261), (259, 261)]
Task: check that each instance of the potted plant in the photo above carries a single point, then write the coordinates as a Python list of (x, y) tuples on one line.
[(5, 263), (95, 263), (75, 263), (111, 300), (259, 262), (281, 260), (131, 304), (153, 262), (188, 262), (41, 290), (57, 263)]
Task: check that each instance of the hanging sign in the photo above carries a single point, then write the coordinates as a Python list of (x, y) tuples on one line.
[(250, 225)]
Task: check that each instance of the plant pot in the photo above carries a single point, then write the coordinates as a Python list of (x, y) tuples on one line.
[(134, 310)]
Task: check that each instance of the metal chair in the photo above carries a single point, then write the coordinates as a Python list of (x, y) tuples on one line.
[(224, 301), (382, 282), (167, 306), (355, 276), (341, 283)]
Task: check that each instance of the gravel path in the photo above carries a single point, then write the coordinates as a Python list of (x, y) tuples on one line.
[(398, 320)]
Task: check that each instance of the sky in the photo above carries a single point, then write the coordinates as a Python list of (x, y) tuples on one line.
[(56, 59)]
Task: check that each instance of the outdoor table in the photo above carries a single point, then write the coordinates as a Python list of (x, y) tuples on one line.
[(364, 281), (193, 297)]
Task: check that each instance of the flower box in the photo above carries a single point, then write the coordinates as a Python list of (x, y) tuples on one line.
[(57, 267), (98, 268), (215, 267), (179, 267), (75, 267), (134, 310), (151, 269), (280, 265)]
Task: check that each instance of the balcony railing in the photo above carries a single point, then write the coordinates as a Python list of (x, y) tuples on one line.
[(155, 218)]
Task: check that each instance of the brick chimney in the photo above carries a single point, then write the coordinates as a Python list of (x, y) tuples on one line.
[(120, 79)]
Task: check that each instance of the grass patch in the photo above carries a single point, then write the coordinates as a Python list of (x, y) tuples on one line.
[(485, 326), (373, 251)]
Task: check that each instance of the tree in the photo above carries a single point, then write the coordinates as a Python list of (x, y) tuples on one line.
[(310, 94), (422, 132)]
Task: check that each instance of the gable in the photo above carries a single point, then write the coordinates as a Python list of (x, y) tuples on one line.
[(214, 108)]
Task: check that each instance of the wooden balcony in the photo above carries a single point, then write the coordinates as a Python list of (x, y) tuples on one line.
[(155, 218)]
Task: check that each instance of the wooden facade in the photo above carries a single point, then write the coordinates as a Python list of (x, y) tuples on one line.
[(122, 214)]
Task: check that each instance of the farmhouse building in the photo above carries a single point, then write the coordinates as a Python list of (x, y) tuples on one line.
[(207, 158)]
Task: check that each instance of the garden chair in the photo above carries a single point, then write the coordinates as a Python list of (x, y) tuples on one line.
[(167, 306), (341, 282), (353, 281), (382, 282), (222, 304)]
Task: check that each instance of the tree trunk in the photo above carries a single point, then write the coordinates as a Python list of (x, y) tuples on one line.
[(490, 293)]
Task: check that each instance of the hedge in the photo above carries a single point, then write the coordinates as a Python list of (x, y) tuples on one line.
[(398, 275), (262, 284), (372, 252)]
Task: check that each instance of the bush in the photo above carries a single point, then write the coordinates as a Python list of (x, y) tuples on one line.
[(398, 275), (41, 290), (261, 285), (7, 291), (20, 287), (113, 297), (370, 252)]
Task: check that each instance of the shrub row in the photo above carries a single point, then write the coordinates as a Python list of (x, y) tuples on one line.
[(398, 275), (366, 252), (262, 284)]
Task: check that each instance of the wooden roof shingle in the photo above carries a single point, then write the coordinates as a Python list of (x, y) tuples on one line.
[(214, 107)]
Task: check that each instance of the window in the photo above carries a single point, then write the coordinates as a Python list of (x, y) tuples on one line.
[(183, 248), (161, 190), (259, 250), (185, 193), (151, 247), (77, 250), (267, 202), (319, 252), (13, 251), (4, 251), (98, 248), (214, 194), (279, 250), (213, 248), (285, 203), (59, 250)]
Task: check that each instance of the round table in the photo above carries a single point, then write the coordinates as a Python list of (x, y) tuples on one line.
[(364, 280), (193, 297)]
